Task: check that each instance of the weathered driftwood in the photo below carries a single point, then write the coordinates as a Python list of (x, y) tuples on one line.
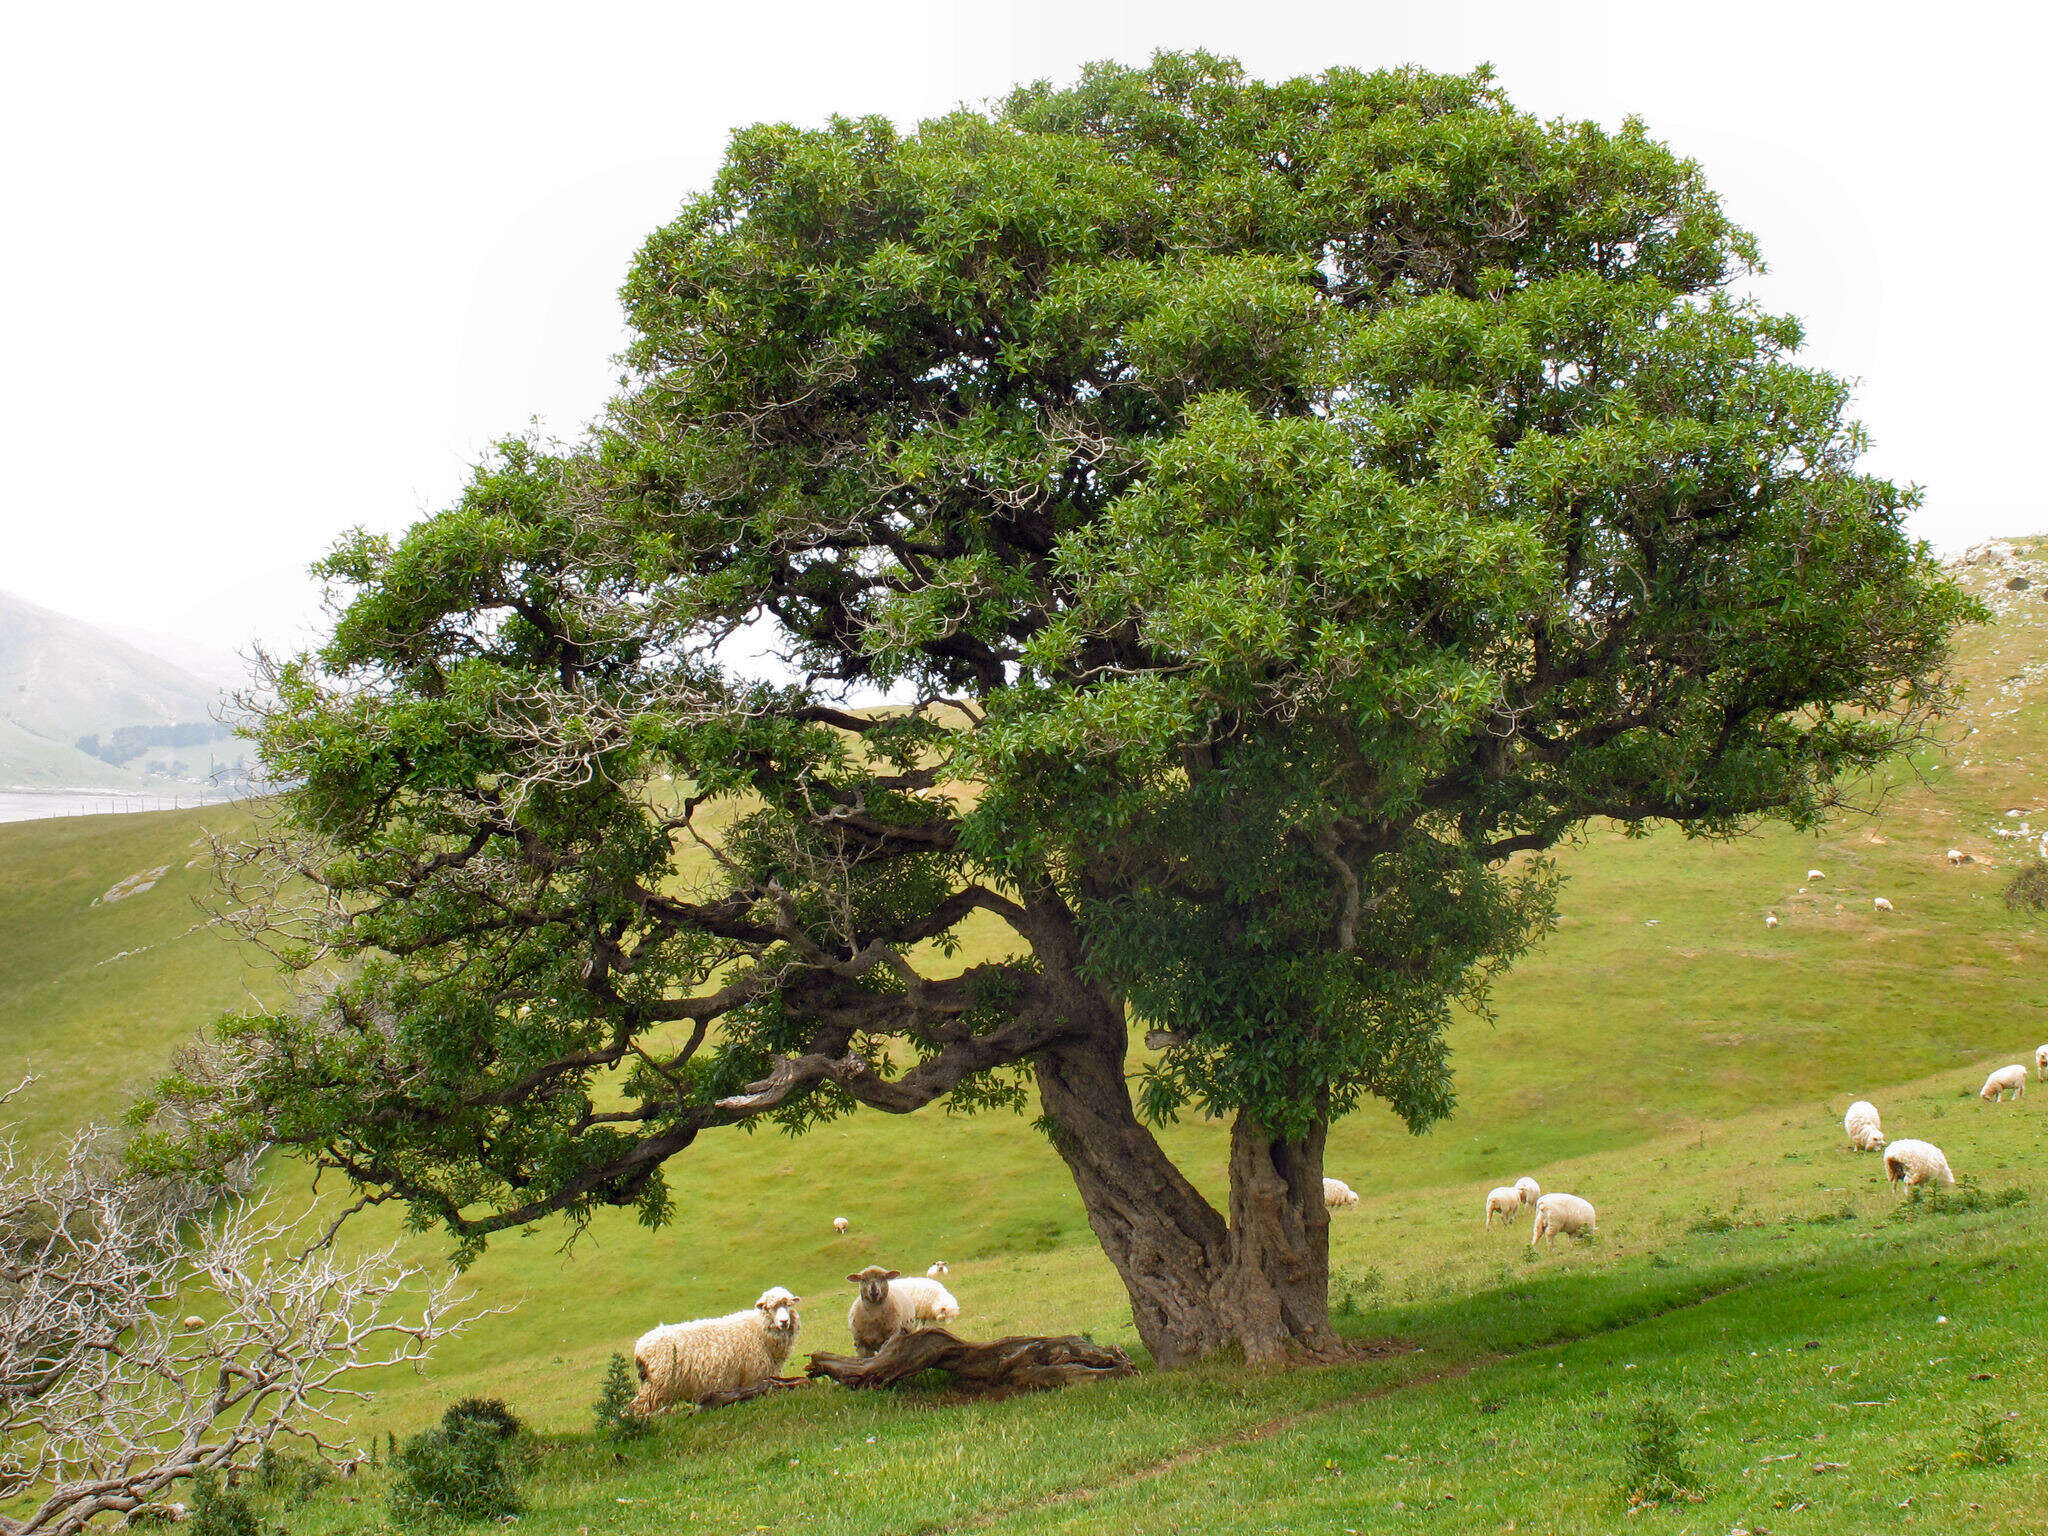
[(1019, 1362), (758, 1389)]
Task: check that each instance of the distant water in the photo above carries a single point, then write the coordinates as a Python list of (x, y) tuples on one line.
[(35, 804)]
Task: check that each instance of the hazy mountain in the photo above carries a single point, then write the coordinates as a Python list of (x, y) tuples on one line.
[(62, 679)]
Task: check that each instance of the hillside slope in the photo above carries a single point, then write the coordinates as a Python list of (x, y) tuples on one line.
[(61, 678), (1664, 1038)]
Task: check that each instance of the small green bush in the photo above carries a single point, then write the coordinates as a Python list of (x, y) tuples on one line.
[(1654, 1469), (1713, 1223), (1352, 1289), (290, 1477), (1985, 1443), (2028, 888), (218, 1511), (613, 1411), (449, 1473), (490, 1412), (1932, 1200)]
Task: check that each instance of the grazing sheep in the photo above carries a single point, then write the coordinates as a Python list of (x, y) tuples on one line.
[(2011, 1079), (1562, 1213), (682, 1362), (1337, 1194), (2041, 1061), (1908, 1162), (1956, 856), (1503, 1202), (1529, 1187), (1861, 1127), (1771, 921), (888, 1305), (939, 1270), (1881, 904), (1814, 874), (840, 1223)]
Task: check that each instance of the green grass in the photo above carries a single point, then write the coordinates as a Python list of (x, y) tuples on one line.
[(1665, 1055)]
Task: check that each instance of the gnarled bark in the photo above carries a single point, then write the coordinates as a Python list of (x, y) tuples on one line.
[(1022, 1360)]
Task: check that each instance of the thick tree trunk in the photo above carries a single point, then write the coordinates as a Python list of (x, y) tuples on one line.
[(1259, 1282)]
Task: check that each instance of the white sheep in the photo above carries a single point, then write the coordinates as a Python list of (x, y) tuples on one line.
[(1504, 1202), (1908, 1163), (1771, 921), (1881, 904), (2041, 1061), (1813, 875), (2011, 1079), (1861, 1126), (683, 1362), (1529, 1187), (939, 1270), (1338, 1195), (840, 1223), (888, 1305), (1956, 856), (1562, 1213)]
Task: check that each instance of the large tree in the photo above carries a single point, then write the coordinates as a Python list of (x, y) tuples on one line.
[(1285, 511)]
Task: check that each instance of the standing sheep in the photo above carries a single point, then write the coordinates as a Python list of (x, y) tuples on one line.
[(1337, 1195), (1909, 1163), (2011, 1079), (1562, 1213), (1861, 1127), (1529, 1187), (840, 1223), (2041, 1061), (939, 1270), (682, 1362), (1504, 1202), (888, 1305)]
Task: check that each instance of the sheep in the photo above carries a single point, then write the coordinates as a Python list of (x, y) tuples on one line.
[(1503, 1202), (684, 1362), (888, 1305), (2040, 1061), (939, 1270), (1813, 875), (1771, 921), (1956, 857), (840, 1223), (1881, 904), (1338, 1195), (1529, 1187), (1562, 1213), (1861, 1126), (1908, 1163), (2012, 1078)]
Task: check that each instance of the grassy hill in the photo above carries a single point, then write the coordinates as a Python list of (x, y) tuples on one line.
[(1667, 1055)]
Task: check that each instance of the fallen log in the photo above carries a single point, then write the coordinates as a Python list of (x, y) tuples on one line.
[(758, 1389), (1022, 1362)]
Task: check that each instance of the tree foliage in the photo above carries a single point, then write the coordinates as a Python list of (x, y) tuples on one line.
[(1285, 509)]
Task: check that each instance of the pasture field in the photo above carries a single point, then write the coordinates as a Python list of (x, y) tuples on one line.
[(1664, 1054)]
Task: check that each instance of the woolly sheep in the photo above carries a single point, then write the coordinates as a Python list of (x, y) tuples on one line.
[(1955, 856), (840, 1223), (1529, 1187), (2011, 1079), (1881, 904), (1503, 1202), (1814, 874), (939, 1269), (1908, 1162), (683, 1362), (888, 1305), (2041, 1060), (1771, 921), (1562, 1213), (1337, 1194), (1862, 1128)]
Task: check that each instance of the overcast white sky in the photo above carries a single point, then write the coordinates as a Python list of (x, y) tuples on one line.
[(272, 270)]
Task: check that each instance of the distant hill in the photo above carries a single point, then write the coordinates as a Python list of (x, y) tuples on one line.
[(62, 679)]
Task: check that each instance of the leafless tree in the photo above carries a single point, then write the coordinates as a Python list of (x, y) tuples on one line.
[(152, 1329)]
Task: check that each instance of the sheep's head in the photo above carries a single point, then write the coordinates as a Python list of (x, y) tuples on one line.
[(1528, 1189), (874, 1283), (779, 1307), (1989, 1090)]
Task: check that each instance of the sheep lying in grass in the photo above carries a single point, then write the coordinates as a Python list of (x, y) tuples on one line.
[(1338, 1195), (1882, 904), (1908, 1163), (888, 1305), (682, 1362), (939, 1270), (1562, 1213), (1861, 1127), (2041, 1061), (2012, 1079)]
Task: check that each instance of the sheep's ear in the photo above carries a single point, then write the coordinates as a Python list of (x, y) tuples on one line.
[(791, 1301), (856, 1279), (894, 1274)]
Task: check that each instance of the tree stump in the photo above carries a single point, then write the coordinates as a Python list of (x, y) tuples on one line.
[(1022, 1362)]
